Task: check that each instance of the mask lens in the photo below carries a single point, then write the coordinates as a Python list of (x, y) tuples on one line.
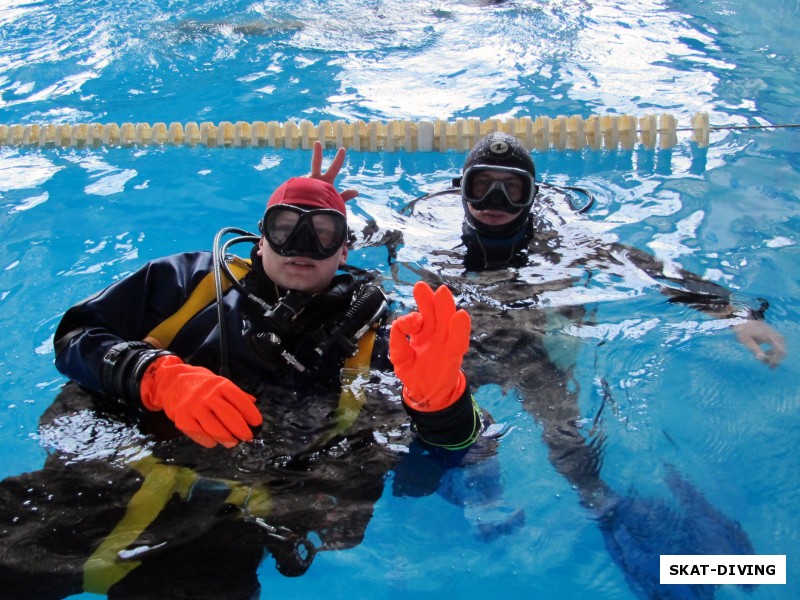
[(279, 225), (328, 230)]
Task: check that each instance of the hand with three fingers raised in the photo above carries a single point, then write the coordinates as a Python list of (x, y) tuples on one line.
[(427, 347)]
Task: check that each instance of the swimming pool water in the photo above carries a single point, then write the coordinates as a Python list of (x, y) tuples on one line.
[(683, 391)]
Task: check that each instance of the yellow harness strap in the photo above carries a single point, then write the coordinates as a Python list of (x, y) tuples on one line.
[(201, 296), (352, 398), (103, 568)]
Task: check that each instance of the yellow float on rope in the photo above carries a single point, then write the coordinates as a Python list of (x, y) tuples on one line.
[(607, 132)]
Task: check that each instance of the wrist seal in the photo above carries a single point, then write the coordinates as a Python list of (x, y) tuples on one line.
[(452, 428), (123, 367), (757, 314)]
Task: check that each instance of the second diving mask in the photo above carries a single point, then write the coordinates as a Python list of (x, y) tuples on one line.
[(494, 187)]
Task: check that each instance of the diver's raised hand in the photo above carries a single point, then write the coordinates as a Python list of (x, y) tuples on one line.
[(755, 334), (427, 348), (207, 407), (330, 175)]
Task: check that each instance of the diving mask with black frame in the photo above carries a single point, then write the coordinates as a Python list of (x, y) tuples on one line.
[(495, 187), (316, 233)]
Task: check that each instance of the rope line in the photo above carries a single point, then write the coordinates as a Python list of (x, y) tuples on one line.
[(596, 132)]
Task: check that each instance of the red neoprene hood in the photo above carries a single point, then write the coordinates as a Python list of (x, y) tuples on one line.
[(307, 192)]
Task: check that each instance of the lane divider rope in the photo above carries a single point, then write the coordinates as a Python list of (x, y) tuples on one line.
[(597, 132)]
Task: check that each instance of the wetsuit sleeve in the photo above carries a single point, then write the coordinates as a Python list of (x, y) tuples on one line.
[(690, 288), (452, 428), (124, 312)]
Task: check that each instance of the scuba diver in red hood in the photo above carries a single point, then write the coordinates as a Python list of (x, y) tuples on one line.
[(218, 406)]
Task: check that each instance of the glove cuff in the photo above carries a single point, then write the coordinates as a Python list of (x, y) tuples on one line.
[(453, 428), (123, 367), (148, 382), (422, 404)]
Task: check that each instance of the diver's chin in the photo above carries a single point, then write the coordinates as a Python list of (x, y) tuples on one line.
[(494, 218)]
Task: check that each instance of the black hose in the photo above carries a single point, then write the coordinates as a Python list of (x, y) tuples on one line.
[(409, 208), (219, 253), (367, 308)]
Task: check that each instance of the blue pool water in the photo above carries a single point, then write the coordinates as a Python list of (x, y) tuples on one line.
[(683, 391)]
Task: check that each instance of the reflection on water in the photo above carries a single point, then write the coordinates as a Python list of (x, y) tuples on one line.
[(652, 382), (24, 172), (371, 61)]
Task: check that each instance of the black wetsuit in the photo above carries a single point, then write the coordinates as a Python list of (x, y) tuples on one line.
[(524, 295), (520, 291), (158, 516)]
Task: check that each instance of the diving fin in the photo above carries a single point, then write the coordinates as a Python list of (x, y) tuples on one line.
[(716, 533), (637, 531)]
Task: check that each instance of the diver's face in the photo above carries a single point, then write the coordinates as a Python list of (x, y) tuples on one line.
[(481, 183), (298, 272), (492, 217)]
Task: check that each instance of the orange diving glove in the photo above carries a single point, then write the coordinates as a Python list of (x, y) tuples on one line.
[(427, 348), (208, 408)]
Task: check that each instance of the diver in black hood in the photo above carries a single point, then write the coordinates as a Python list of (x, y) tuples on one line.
[(519, 271), (498, 188), (498, 191)]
